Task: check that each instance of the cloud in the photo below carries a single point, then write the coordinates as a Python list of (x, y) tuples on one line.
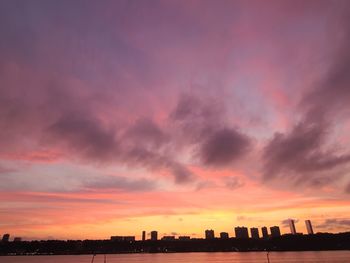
[(84, 135), (335, 223), (347, 188), (306, 155), (300, 155), (285, 222), (233, 182), (144, 131), (120, 183), (223, 147), (204, 125)]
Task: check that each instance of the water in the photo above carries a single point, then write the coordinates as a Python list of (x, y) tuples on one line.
[(234, 257)]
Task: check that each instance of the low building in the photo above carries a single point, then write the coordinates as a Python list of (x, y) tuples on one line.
[(168, 238), (184, 238), (6, 238), (17, 239), (224, 235), (123, 238)]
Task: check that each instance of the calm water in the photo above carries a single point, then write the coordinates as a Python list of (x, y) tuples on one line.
[(250, 257)]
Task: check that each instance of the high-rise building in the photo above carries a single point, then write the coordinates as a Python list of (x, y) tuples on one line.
[(264, 232), (143, 235), (6, 238), (275, 231), (224, 235), (309, 228), (154, 235), (241, 232), (292, 227), (254, 233), (209, 234)]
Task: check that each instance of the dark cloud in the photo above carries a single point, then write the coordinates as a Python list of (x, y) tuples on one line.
[(204, 126), (347, 189), (84, 135), (285, 222), (120, 183), (300, 155), (335, 223), (223, 147), (197, 117), (305, 155), (144, 131)]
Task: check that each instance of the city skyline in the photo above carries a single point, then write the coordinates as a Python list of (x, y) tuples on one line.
[(240, 232), (175, 116)]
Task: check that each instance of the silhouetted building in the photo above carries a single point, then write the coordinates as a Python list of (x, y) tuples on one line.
[(154, 235), (241, 232), (122, 238), (143, 235), (275, 231), (224, 235), (292, 227), (309, 228), (6, 238), (168, 238), (254, 233), (264, 232), (17, 239), (129, 238), (184, 238), (209, 234)]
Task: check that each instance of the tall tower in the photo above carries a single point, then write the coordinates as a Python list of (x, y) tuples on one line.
[(264, 232), (154, 235), (275, 231), (292, 227), (143, 235), (254, 233), (310, 231), (209, 234)]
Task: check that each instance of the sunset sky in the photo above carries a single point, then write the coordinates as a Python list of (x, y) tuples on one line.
[(176, 115)]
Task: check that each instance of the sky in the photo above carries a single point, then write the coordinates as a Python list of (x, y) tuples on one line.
[(176, 116)]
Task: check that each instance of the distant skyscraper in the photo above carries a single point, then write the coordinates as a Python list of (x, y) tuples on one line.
[(265, 234), (209, 234), (224, 235), (154, 235), (292, 227), (6, 238), (254, 233), (143, 235), (275, 231), (241, 232), (309, 228)]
